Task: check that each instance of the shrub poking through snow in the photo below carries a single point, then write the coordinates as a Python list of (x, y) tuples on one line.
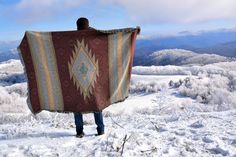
[(144, 87), (212, 89)]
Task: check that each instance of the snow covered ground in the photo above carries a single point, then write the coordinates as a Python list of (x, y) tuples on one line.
[(171, 111)]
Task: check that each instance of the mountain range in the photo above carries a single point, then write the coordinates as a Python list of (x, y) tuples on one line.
[(221, 42), (184, 57)]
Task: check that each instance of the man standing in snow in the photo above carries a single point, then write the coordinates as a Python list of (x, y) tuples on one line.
[(82, 24)]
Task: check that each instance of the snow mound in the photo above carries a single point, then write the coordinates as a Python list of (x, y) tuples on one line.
[(184, 57)]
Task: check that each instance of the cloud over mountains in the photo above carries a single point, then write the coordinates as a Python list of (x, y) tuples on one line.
[(31, 10), (148, 11), (181, 11)]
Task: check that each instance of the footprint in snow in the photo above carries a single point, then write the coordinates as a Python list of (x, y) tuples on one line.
[(180, 133), (193, 131), (219, 151), (172, 119), (197, 124), (207, 140)]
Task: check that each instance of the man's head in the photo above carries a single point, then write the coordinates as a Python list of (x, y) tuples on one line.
[(82, 23)]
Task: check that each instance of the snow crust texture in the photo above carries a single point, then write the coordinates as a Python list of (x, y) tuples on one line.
[(172, 111)]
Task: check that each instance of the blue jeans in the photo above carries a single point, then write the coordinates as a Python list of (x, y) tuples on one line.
[(98, 120)]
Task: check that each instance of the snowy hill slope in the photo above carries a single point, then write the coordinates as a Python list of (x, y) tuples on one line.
[(183, 57), (8, 45), (171, 111), (9, 54), (8, 50)]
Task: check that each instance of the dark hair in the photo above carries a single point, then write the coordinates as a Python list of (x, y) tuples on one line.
[(82, 23)]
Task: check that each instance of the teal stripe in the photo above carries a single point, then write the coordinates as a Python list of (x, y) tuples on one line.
[(40, 70), (113, 70), (114, 67), (125, 59)]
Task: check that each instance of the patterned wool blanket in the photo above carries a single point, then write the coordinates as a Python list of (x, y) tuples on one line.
[(77, 71)]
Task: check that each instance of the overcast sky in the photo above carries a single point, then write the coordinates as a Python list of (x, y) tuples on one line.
[(156, 17)]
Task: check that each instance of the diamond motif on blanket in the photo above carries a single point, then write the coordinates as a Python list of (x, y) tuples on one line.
[(83, 69)]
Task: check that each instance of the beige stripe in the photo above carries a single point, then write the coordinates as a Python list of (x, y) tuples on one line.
[(127, 66), (43, 59), (38, 77), (126, 61), (119, 65), (110, 66), (46, 70), (123, 77), (56, 75)]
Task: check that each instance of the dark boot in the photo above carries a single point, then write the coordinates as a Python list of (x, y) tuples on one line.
[(80, 135)]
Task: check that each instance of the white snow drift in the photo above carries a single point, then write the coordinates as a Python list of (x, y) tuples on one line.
[(171, 111)]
